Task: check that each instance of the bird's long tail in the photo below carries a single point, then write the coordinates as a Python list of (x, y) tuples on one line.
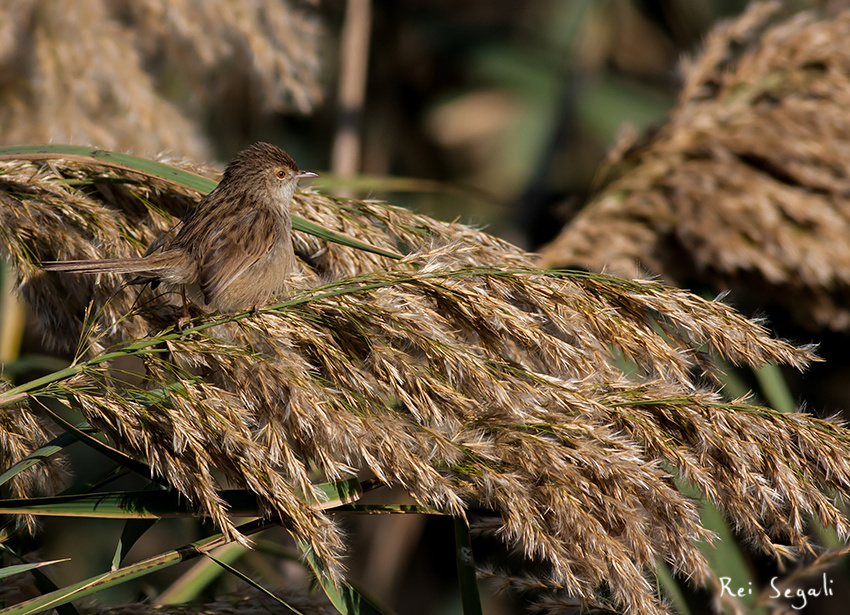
[(154, 263)]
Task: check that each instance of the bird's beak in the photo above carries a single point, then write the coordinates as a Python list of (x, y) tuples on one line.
[(306, 174)]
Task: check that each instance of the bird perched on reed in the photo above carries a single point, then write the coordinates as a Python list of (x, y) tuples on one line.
[(233, 251)]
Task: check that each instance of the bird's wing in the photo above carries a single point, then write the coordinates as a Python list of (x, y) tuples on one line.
[(237, 242)]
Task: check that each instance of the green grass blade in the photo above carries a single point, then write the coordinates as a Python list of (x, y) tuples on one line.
[(133, 530), (110, 579), (9, 571), (725, 556), (467, 579), (125, 505), (337, 493), (346, 599), (734, 386), (160, 503), (376, 509), (194, 581), (42, 582), (775, 388), (150, 168), (311, 228), (727, 559), (671, 589), (114, 160), (332, 496), (254, 584)]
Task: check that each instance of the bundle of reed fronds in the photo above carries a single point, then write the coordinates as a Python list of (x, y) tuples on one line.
[(459, 372), (745, 187)]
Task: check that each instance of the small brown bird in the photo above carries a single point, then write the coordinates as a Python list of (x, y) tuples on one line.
[(233, 250)]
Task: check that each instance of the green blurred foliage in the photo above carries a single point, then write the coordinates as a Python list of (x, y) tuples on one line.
[(518, 100)]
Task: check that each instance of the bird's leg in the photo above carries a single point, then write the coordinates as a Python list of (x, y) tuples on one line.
[(186, 317), (260, 302)]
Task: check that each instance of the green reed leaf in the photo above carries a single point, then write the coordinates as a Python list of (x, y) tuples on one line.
[(153, 169)]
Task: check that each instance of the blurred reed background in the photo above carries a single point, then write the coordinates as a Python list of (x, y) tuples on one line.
[(495, 113)]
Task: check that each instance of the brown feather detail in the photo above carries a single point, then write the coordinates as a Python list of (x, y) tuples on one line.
[(221, 260), (149, 264)]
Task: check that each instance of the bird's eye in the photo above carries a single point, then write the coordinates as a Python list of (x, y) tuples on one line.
[(281, 174)]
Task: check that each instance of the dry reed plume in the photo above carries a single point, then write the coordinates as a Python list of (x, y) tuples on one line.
[(129, 74), (461, 373), (746, 186)]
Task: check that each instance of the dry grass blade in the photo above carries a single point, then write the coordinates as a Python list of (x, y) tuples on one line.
[(461, 373)]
